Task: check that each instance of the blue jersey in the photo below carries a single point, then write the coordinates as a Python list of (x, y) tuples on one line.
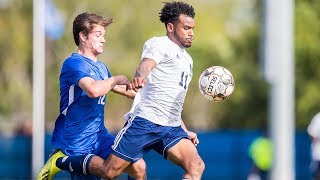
[(81, 119)]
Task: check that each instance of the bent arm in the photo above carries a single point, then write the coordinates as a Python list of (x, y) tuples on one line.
[(96, 88), (192, 135), (122, 90), (145, 67), (183, 126), (142, 72)]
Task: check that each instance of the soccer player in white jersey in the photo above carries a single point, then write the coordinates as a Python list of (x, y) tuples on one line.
[(79, 130), (164, 75)]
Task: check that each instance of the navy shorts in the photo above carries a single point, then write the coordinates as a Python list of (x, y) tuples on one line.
[(139, 136)]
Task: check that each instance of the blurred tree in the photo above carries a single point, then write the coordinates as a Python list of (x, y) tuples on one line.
[(16, 57), (227, 34), (307, 37)]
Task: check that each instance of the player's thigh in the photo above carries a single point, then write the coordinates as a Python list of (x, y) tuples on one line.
[(115, 164), (184, 154)]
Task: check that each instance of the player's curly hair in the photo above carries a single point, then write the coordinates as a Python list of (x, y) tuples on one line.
[(171, 11), (85, 22)]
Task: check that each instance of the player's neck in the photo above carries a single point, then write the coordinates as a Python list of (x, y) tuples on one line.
[(88, 55), (175, 41)]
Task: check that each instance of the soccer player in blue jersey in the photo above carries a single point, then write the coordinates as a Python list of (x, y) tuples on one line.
[(84, 82)]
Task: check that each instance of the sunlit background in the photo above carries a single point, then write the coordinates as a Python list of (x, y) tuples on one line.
[(228, 33)]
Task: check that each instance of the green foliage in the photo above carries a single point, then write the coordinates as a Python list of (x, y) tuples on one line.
[(307, 36), (227, 33), (15, 53)]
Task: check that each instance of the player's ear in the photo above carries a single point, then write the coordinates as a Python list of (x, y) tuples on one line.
[(82, 36), (170, 27)]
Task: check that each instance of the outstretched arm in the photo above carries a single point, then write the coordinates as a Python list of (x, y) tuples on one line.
[(142, 72), (122, 90), (192, 135)]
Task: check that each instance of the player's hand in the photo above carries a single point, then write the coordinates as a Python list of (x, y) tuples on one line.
[(123, 80), (131, 94), (193, 137), (137, 83)]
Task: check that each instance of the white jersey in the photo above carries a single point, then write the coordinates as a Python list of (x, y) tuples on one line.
[(136, 100), (164, 93), (314, 131)]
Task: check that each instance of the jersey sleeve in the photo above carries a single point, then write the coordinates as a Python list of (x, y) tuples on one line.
[(153, 49), (108, 72), (75, 70)]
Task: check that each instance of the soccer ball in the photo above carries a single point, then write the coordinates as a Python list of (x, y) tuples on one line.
[(216, 83)]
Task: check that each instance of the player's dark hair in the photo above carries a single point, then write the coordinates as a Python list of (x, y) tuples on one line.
[(172, 10), (85, 22)]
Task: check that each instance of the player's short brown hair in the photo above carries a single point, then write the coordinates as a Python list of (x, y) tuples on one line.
[(85, 22)]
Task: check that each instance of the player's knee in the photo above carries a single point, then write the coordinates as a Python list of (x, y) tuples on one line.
[(199, 166), (202, 166), (140, 168), (196, 167), (112, 174)]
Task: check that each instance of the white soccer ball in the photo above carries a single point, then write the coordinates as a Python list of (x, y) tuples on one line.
[(216, 83)]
